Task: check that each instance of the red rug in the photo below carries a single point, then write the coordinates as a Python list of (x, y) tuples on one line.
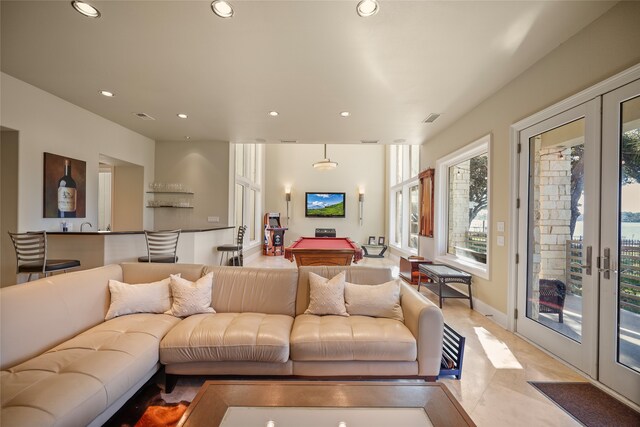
[(162, 416)]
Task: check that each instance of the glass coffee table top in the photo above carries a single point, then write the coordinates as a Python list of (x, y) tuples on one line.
[(323, 417)]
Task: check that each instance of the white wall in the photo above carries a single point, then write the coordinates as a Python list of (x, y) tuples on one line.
[(203, 166), (47, 123), (607, 46), (358, 166)]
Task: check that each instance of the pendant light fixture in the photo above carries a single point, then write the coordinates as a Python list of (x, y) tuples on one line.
[(325, 164)]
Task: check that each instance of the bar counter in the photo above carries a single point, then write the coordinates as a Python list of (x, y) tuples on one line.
[(98, 248)]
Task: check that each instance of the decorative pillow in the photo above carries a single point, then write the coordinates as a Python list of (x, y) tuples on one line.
[(326, 296), (191, 297), (374, 300), (139, 298)]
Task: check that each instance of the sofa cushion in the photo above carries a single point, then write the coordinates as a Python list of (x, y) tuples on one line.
[(329, 338), (138, 298), (374, 300), (190, 297), (326, 296), (252, 337), (74, 382)]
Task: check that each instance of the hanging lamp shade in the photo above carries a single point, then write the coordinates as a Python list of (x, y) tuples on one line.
[(326, 163)]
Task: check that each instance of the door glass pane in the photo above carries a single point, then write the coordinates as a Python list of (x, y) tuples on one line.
[(414, 219), (398, 219), (629, 238), (252, 162), (468, 207), (556, 213)]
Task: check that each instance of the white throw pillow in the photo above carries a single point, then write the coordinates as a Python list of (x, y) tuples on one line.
[(374, 300), (326, 296), (138, 298), (191, 297)]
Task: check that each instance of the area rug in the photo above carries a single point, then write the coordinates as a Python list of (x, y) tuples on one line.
[(588, 404), (150, 407)]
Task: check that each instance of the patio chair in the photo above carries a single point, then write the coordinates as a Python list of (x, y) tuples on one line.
[(552, 294)]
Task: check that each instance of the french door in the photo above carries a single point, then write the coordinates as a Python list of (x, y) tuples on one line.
[(557, 295), (620, 240), (579, 238)]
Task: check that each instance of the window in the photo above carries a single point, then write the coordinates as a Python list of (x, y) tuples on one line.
[(462, 208), (248, 190), (405, 197)]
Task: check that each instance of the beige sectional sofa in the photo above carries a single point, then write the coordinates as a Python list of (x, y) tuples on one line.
[(62, 364)]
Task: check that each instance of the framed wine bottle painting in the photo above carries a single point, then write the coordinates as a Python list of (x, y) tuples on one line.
[(64, 189)]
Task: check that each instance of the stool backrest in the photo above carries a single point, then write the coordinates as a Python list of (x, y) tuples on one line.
[(240, 239), (31, 247), (162, 243)]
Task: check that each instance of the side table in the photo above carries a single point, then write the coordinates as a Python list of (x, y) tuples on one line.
[(380, 248), (442, 275)]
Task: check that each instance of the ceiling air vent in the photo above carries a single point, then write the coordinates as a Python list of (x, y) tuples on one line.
[(143, 116), (432, 118), (369, 141), (288, 141)]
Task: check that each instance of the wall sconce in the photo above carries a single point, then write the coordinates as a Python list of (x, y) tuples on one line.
[(361, 203), (287, 197)]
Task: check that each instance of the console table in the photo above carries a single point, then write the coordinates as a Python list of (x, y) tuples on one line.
[(441, 275), (380, 248)]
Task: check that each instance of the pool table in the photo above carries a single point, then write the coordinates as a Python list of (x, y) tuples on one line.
[(323, 251)]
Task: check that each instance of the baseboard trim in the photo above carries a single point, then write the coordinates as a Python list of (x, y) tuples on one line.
[(490, 313)]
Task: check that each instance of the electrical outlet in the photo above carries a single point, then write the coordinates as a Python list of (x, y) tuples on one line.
[(500, 241), (213, 219)]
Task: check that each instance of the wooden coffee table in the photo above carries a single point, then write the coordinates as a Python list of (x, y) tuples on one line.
[(215, 397)]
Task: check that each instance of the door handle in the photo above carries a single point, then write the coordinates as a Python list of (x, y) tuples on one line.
[(606, 269), (587, 267)]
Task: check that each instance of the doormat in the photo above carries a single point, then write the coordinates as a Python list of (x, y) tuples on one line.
[(588, 404)]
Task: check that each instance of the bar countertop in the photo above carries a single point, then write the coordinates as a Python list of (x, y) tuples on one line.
[(107, 233)]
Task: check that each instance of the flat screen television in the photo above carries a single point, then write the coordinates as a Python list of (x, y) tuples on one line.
[(325, 205)]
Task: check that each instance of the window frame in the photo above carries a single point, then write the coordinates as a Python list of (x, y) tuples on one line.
[(477, 147), (248, 184), (402, 187)]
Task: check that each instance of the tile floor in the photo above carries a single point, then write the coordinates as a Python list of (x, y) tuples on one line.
[(497, 365)]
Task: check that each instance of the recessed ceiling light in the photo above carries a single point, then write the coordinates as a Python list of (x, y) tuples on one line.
[(273, 113), (182, 115), (367, 8), (107, 93), (187, 138), (86, 9), (222, 8), (345, 114)]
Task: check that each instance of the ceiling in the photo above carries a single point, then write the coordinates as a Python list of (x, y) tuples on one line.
[(308, 60)]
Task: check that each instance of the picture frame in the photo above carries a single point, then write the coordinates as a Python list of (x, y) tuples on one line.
[(381, 241), (372, 240), (64, 196)]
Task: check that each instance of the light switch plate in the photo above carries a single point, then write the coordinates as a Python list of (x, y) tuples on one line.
[(500, 240), (500, 226), (213, 219)]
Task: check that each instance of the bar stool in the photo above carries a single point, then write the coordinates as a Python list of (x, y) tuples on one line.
[(161, 246), (233, 249), (31, 255)]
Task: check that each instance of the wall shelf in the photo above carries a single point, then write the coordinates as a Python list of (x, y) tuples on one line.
[(170, 192), (171, 206)]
